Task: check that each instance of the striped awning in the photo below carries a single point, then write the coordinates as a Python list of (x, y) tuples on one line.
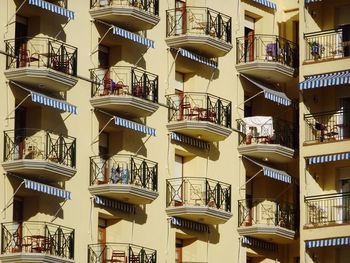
[(311, 1), (328, 158), (331, 242), (270, 94), (257, 243), (47, 189), (325, 80), (266, 3), (52, 8), (114, 204), (189, 140), (187, 54), (54, 103), (133, 37), (134, 126), (199, 227)]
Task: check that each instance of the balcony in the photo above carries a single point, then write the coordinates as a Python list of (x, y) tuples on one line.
[(267, 57), (36, 242), (327, 210), (124, 177), (267, 219), (135, 15), (39, 154), (120, 252), (274, 139), (199, 199), (42, 62), (130, 91), (199, 29), (199, 115)]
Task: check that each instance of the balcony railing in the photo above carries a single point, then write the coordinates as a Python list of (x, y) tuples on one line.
[(150, 6), (124, 169), (124, 81), (120, 252), (267, 48), (328, 209), (197, 191), (327, 126), (200, 107), (35, 144), (266, 212), (41, 52), (199, 21), (37, 237)]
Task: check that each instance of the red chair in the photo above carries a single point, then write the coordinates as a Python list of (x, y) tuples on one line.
[(118, 257)]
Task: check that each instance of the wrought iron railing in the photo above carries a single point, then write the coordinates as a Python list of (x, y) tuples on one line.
[(124, 169), (41, 52), (328, 209), (198, 21), (327, 126), (36, 144), (37, 237), (150, 6), (200, 107), (124, 80), (198, 191), (120, 252), (267, 48), (266, 212)]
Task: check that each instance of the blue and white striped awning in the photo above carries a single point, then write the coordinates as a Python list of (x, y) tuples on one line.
[(328, 158), (257, 243), (47, 189), (189, 140), (134, 126), (133, 37), (54, 103), (311, 1), (266, 3), (114, 204), (199, 227), (331, 242), (52, 8), (187, 54), (270, 94), (325, 80)]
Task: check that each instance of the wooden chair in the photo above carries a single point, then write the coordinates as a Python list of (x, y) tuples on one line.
[(118, 257)]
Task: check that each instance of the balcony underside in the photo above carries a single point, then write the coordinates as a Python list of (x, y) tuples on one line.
[(272, 152), (275, 234), (43, 169), (44, 78), (202, 214), (204, 130), (125, 104), (203, 44), (32, 258), (130, 18), (125, 192)]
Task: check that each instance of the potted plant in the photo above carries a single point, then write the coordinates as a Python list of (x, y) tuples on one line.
[(315, 48)]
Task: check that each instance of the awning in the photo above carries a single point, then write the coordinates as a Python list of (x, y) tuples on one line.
[(133, 37), (257, 243), (311, 1), (189, 140), (47, 189), (266, 3), (189, 224), (328, 158), (325, 80), (124, 207), (54, 103), (270, 94), (134, 126), (331, 242), (52, 8), (187, 54)]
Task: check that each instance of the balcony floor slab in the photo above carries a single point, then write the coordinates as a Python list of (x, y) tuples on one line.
[(270, 233), (32, 258), (273, 152)]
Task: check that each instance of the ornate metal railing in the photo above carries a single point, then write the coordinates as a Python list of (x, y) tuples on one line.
[(267, 48), (198, 191), (124, 80), (199, 106), (266, 212), (124, 169), (120, 252), (198, 21), (41, 52), (328, 209), (327, 126), (39, 145), (150, 6), (37, 237)]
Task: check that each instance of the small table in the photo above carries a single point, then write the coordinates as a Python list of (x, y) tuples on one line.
[(39, 243)]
